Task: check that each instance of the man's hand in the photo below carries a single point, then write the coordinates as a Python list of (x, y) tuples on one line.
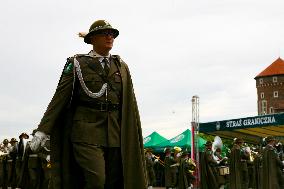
[(48, 158), (38, 138)]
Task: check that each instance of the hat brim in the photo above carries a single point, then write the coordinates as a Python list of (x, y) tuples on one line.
[(87, 38)]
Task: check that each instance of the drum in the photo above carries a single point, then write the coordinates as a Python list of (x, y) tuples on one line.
[(224, 170)]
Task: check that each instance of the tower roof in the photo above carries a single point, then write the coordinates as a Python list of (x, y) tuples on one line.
[(276, 68)]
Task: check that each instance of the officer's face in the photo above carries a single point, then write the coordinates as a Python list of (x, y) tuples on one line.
[(103, 41)]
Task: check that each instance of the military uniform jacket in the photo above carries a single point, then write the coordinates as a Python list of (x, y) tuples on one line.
[(208, 170), (272, 175), (235, 168), (65, 119)]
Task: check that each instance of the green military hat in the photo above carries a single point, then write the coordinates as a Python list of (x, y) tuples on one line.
[(97, 27), (269, 138), (238, 140), (13, 140), (5, 141), (167, 150), (185, 153), (23, 134), (208, 143)]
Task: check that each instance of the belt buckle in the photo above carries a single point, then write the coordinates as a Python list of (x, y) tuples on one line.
[(104, 107)]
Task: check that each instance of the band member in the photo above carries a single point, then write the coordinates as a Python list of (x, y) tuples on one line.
[(222, 165), (11, 163), (3, 162), (44, 156), (208, 168), (186, 170), (238, 166), (150, 168), (170, 171), (24, 137), (248, 156), (257, 163), (272, 166)]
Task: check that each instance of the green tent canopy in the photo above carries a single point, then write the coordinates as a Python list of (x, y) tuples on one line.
[(182, 140), (153, 139)]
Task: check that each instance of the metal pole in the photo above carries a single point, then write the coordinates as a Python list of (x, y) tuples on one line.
[(194, 134)]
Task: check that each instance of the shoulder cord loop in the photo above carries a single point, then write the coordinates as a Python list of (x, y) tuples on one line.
[(85, 88)]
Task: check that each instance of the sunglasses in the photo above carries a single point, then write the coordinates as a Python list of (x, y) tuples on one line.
[(106, 32)]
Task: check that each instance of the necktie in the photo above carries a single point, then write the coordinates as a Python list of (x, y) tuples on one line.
[(106, 65)]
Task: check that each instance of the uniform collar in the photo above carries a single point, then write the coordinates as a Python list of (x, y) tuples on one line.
[(96, 55)]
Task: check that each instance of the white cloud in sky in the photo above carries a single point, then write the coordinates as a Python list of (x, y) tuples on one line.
[(175, 49)]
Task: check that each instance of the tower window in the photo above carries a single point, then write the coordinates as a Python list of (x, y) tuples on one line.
[(262, 95), (271, 111), (260, 81), (263, 107), (275, 94), (274, 79)]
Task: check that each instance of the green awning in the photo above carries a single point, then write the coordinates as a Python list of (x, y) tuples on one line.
[(251, 129), (153, 139), (182, 140)]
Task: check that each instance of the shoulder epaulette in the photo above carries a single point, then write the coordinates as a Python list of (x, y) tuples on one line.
[(119, 60), (68, 66)]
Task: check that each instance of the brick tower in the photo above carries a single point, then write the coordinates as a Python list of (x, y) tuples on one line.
[(270, 88)]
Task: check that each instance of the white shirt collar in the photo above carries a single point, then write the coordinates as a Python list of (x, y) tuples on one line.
[(95, 54)]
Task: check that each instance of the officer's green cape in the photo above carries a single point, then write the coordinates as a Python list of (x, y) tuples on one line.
[(66, 174)]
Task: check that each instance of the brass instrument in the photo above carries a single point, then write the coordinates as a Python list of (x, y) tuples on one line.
[(192, 165), (48, 165), (159, 160)]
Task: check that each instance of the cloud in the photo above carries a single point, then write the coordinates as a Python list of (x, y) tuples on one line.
[(174, 49)]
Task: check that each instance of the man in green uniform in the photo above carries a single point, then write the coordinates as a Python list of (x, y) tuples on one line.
[(272, 166), (93, 115), (208, 167), (186, 169), (170, 170), (238, 178), (150, 168)]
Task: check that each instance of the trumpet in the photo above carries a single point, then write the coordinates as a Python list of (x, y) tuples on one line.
[(158, 160)]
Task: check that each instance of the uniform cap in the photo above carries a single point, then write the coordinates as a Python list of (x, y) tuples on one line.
[(23, 134), (167, 150), (13, 140), (238, 140), (208, 143), (98, 26), (269, 138), (177, 149)]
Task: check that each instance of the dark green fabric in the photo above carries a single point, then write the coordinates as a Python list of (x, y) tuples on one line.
[(104, 126), (208, 171), (272, 166), (185, 178), (150, 171), (235, 168), (170, 172), (58, 121), (98, 26)]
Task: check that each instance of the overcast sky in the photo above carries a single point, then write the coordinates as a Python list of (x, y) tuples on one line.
[(174, 48)]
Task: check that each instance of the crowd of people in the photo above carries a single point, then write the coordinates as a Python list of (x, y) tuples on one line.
[(20, 167), (177, 165), (244, 166)]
